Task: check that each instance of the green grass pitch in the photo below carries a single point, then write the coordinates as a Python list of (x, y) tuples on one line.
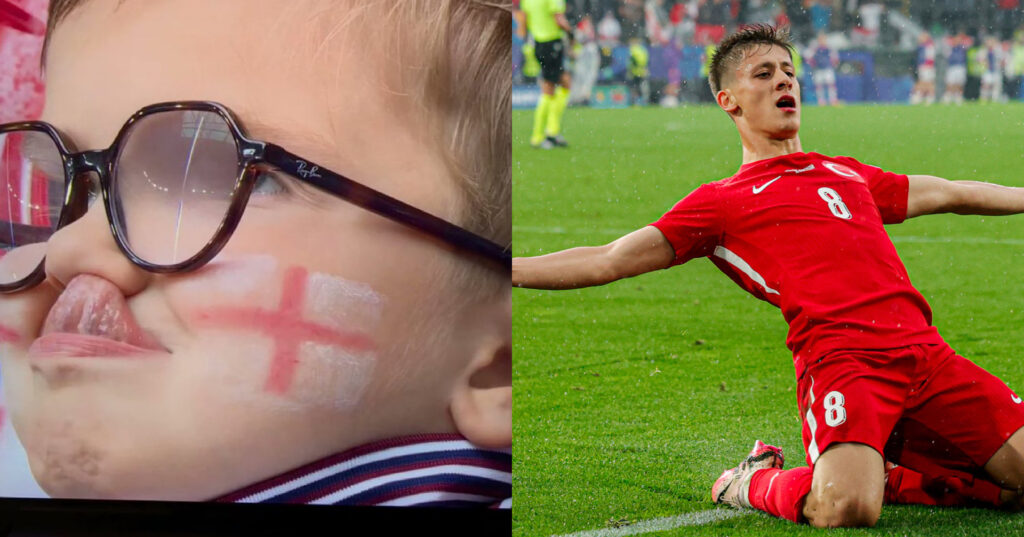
[(631, 398)]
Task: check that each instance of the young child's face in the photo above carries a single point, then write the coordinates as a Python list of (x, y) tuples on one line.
[(309, 333)]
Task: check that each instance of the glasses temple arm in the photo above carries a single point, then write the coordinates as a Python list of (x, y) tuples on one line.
[(384, 205)]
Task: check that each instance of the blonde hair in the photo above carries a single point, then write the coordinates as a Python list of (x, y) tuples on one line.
[(453, 63)]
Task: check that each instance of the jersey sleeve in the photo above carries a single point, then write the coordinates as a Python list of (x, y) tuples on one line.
[(556, 6), (888, 189), (692, 226)]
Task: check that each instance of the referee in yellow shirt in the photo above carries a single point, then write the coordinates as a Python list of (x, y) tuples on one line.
[(546, 21)]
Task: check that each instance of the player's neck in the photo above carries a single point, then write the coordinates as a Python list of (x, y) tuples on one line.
[(755, 149)]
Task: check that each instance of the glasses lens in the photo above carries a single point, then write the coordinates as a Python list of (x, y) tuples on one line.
[(173, 183), (31, 197)]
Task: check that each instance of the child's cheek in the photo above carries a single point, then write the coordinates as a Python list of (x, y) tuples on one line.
[(282, 333), (8, 334)]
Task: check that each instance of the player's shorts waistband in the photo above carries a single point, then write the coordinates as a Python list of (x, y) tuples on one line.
[(932, 349)]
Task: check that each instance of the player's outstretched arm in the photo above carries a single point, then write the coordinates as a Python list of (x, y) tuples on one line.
[(934, 195), (641, 251)]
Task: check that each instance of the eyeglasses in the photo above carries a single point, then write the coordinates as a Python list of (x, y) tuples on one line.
[(174, 184)]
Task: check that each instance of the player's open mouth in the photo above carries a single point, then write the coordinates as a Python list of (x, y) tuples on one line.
[(786, 102)]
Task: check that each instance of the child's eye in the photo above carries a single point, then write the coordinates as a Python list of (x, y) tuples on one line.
[(268, 185)]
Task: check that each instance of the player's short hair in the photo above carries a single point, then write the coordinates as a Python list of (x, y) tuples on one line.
[(454, 57), (732, 49)]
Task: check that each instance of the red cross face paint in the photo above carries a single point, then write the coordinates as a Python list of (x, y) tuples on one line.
[(8, 334), (309, 341)]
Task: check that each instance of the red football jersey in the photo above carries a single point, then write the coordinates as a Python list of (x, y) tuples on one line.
[(805, 232)]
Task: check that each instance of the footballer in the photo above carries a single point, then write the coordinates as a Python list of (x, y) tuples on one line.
[(889, 409)]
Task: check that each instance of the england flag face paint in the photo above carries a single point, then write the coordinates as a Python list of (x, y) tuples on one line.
[(308, 334)]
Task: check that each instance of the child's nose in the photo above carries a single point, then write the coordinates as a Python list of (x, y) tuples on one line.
[(87, 246)]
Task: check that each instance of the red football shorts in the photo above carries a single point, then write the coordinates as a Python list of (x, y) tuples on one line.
[(922, 406)]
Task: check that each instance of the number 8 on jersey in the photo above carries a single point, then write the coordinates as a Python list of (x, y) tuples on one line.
[(835, 203)]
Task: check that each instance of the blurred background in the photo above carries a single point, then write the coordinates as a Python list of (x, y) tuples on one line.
[(652, 52)]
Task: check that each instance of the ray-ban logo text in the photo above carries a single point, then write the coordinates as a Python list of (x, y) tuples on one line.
[(305, 172)]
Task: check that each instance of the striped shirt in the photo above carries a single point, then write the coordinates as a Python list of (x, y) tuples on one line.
[(432, 470)]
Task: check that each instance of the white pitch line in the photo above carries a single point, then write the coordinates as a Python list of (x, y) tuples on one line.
[(696, 518), (558, 230)]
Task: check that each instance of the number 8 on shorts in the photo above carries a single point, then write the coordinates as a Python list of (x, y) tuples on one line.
[(835, 414)]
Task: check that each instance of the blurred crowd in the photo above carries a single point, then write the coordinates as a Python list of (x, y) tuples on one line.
[(931, 41), (868, 22)]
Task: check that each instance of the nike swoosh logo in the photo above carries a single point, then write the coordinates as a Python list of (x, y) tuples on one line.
[(758, 189), (1016, 399)]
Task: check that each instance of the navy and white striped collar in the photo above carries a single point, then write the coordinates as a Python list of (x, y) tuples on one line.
[(436, 470)]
